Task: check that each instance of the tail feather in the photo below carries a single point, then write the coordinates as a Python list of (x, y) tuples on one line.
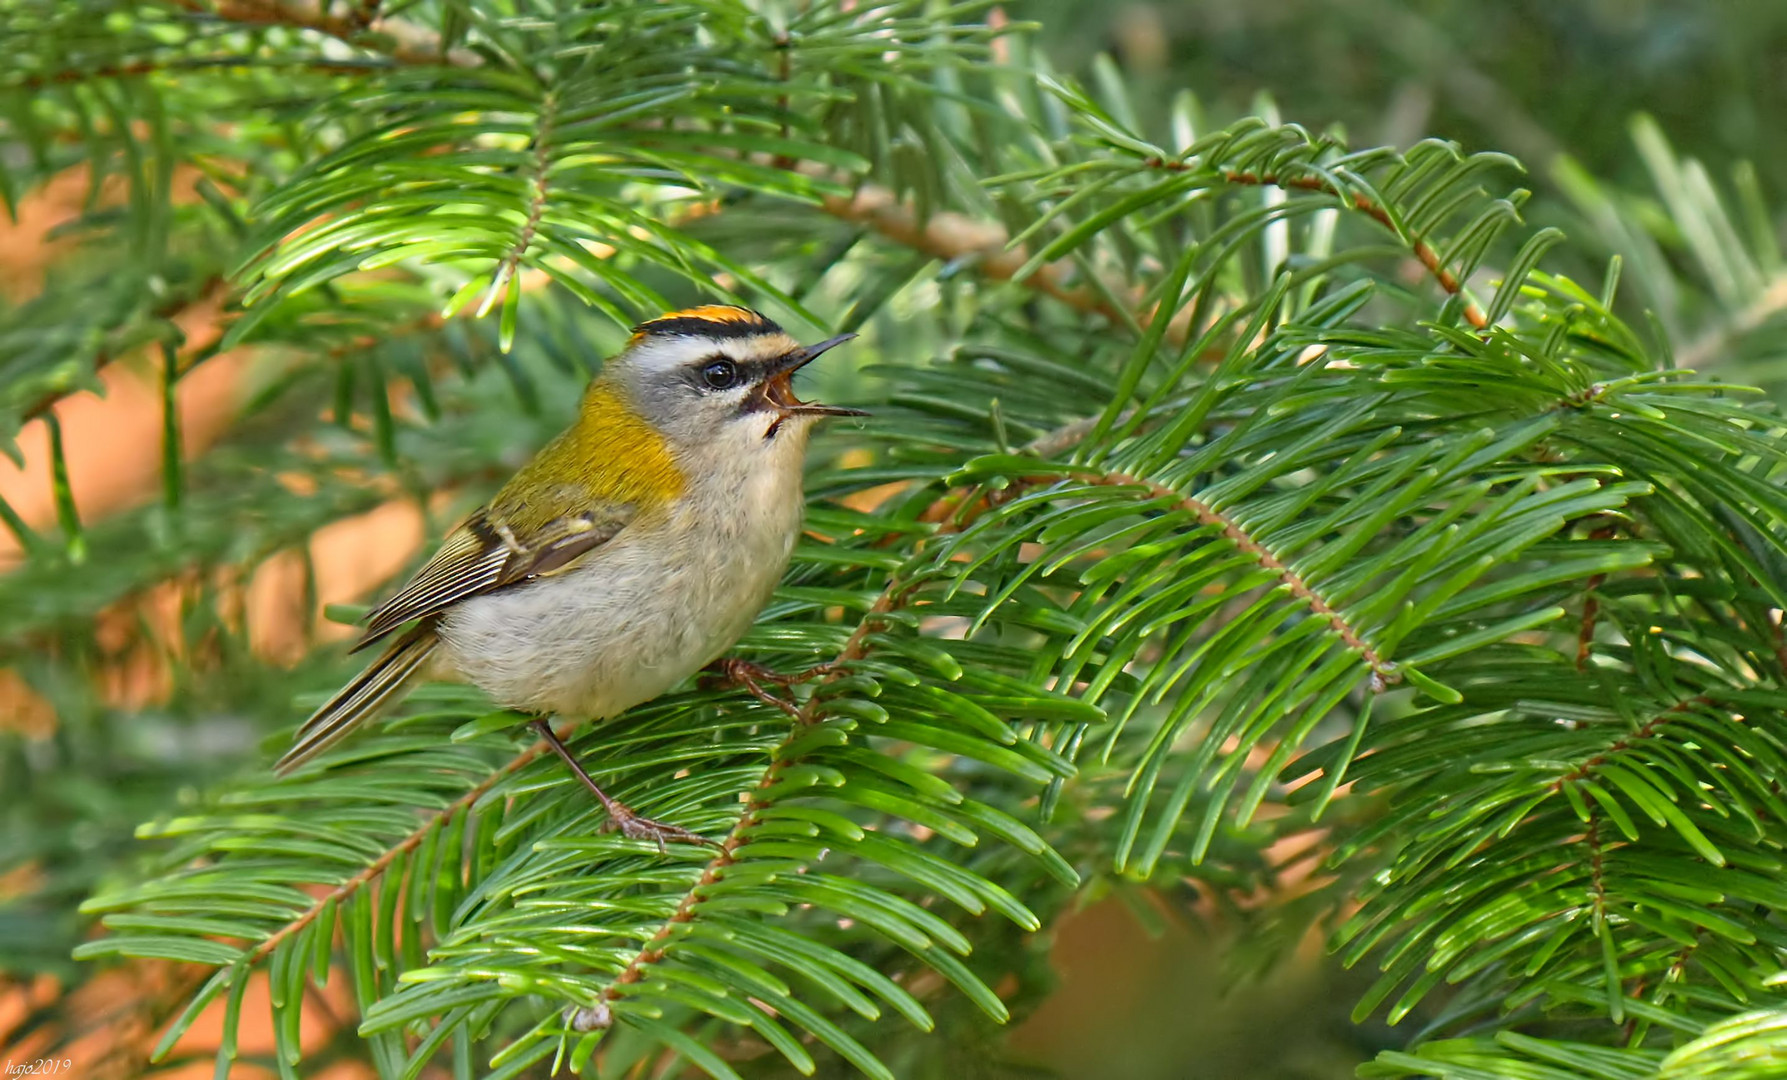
[(372, 691)]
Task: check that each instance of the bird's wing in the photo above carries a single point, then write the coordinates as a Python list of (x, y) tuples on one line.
[(485, 554)]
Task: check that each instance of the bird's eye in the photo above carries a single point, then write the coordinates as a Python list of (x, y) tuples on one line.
[(720, 375)]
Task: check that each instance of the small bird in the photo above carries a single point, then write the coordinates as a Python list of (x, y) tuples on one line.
[(630, 552)]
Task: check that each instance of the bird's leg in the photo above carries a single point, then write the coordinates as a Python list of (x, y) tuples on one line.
[(732, 671), (630, 824), (814, 672)]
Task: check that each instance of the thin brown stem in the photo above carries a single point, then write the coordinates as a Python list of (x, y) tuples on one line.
[(403, 42), (1383, 672), (1591, 611), (1419, 246), (956, 237), (854, 648), (1597, 874), (184, 64), (1591, 606), (1646, 730), (536, 207), (409, 843)]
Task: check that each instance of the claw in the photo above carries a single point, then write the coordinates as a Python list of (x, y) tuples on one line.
[(732, 671), (620, 816), (634, 827)]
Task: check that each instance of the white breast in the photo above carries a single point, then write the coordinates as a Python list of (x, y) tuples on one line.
[(646, 610)]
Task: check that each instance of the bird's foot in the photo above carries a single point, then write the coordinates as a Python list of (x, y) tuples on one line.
[(732, 671), (817, 671), (636, 827), (620, 816)]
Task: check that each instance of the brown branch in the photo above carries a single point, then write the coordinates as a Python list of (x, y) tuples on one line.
[(409, 843), (536, 207), (1645, 731), (150, 67), (1596, 871), (1591, 610), (402, 41), (1364, 204), (854, 648), (1591, 606), (1359, 201), (167, 311), (1383, 672), (949, 506), (955, 237)]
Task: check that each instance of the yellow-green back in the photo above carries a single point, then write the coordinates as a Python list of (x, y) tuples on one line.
[(609, 456)]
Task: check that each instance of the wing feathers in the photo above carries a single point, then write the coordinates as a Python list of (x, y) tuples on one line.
[(483, 555), (580, 539), (494, 548), (466, 564), (375, 688), (479, 556)]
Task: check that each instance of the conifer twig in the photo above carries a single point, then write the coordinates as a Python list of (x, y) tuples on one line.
[(954, 237), (409, 843), (854, 648), (402, 41), (1359, 201), (169, 311), (1645, 731), (1383, 672)]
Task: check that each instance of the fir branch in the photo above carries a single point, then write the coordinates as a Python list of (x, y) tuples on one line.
[(1643, 731), (184, 65), (400, 40), (1358, 200), (211, 290), (1384, 674), (375, 869), (1235, 559), (536, 203), (1591, 600), (855, 648), (957, 238)]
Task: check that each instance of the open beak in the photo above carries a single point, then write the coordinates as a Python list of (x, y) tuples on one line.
[(778, 389)]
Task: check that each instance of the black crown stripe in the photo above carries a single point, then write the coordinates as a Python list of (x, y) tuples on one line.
[(692, 324)]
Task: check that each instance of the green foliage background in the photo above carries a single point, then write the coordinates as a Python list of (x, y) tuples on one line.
[(1267, 489)]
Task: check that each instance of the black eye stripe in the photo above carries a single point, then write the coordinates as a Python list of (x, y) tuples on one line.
[(748, 372)]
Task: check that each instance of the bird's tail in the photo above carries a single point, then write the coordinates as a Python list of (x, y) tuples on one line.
[(372, 691)]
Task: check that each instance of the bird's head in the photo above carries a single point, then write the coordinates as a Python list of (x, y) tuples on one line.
[(719, 375)]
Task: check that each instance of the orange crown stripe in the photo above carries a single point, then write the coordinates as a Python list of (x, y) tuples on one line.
[(715, 313), (718, 320)]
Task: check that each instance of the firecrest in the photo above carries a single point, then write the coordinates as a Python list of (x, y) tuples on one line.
[(633, 550)]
